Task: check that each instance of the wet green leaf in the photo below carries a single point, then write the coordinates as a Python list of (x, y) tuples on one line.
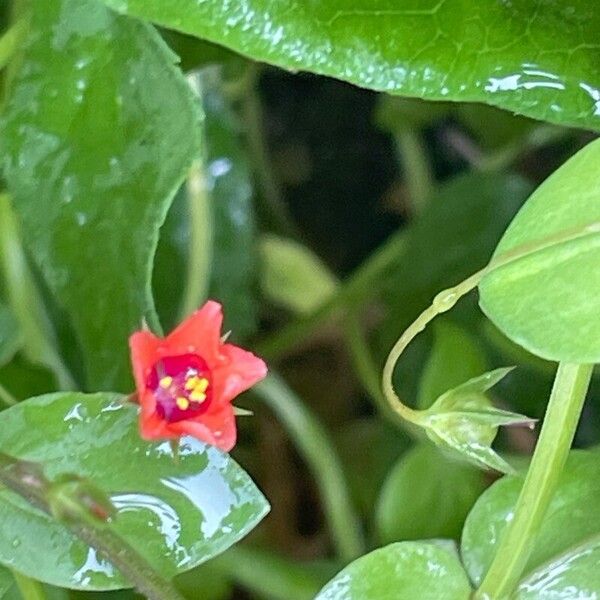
[(463, 421), (98, 131), (177, 514), (425, 496), (564, 562), (403, 571), (539, 62), (549, 301), (10, 335), (293, 277)]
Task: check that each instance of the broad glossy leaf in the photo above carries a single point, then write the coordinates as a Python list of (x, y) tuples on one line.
[(564, 562), (537, 61), (293, 277), (178, 514), (403, 571), (426, 495), (549, 301), (99, 129), (10, 336)]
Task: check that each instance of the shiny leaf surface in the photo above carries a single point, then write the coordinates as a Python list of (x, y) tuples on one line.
[(176, 513), (564, 562), (538, 59), (549, 300), (403, 571), (96, 104)]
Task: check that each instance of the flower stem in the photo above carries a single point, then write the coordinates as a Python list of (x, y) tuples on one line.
[(564, 408), (26, 479), (9, 42), (30, 589), (313, 441)]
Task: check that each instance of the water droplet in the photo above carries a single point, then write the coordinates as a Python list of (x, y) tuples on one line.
[(445, 300), (81, 219), (16, 542)]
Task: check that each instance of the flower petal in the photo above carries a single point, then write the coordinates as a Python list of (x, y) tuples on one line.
[(200, 333), (216, 428), (144, 354), (238, 371)]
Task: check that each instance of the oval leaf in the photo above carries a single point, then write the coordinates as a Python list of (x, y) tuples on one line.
[(549, 301), (403, 571), (564, 562), (536, 62), (177, 513), (426, 495), (99, 129)]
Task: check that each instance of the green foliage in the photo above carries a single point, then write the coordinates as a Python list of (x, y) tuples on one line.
[(565, 555), (176, 512), (6, 582), (10, 335), (95, 97), (427, 570), (516, 57), (293, 277), (548, 301), (425, 496)]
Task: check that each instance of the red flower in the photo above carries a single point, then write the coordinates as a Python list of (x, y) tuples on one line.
[(186, 381)]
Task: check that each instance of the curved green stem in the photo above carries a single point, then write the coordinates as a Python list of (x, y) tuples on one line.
[(25, 301), (9, 41), (313, 442), (564, 409), (28, 481), (446, 299), (6, 397)]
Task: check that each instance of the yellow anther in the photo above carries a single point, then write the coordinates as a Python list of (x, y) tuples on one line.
[(197, 396), (191, 382), (166, 382), (202, 385), (182, 403)]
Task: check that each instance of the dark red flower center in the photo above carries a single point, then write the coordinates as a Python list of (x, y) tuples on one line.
[(181, 386)]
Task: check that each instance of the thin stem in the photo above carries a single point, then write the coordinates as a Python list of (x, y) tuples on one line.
[(30, 588), (201, 242), (39, 341), (28, 481), (562, 415), (9, 42), (363, 284), (415, 166), (7, 397), (314, 444)]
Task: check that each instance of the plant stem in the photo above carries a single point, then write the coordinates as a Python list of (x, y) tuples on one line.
[(358, 288), (562, 415), (7, 397), (30, 588), (28, 481), (9, 41), (25, 300), (415, 166), (313, 442)]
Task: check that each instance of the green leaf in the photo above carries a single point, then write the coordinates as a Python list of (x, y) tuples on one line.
[(540, 63), (456, 356), (426, 495), (564, 561), (548, 301), (98, 131), (293, 276), (403, 571), (463, 421), (176, 513), (10, 335)]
